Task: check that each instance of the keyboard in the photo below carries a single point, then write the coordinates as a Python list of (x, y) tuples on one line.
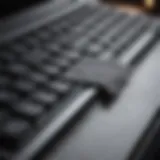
[(34, 96)]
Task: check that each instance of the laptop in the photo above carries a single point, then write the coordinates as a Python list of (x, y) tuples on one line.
[(57, 56)]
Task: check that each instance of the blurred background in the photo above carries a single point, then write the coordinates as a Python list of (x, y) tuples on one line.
[(147, 6)]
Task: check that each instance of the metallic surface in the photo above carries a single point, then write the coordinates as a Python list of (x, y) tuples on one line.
[(111, 133)]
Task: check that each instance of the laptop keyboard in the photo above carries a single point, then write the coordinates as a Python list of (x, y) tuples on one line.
[(32, 67)]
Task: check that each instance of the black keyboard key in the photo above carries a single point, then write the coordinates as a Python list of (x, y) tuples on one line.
[(18, 47), (94, 49), (60, 86), (65, 44), (6, 98), (35, 56), (43, 34), (51, 69), (31, 41), (80, 43), (18, 68), (53, 49), (13, 132), (4, 81), (8, 56), (65, 28), (38, 77), (24, 85), (45, 97), (3, 117), (62, 62), (72, 55), (29, 110)]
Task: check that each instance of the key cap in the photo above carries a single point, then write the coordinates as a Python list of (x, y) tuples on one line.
[(4, 81), (94, 49), (8, 56), (6, 98), (72, 55), (51, 70), (65, 28), (35, 56), (38, 77), (13, 132), (53, 48), (45, 97), (3, 116), (62, 62), (29, 109), (24, 85), (60, 87), (43, 34), (18, 68), (31, 41), (18, 47)]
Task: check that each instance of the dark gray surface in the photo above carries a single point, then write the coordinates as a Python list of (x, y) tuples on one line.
[(108, 75), (111, 133)]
